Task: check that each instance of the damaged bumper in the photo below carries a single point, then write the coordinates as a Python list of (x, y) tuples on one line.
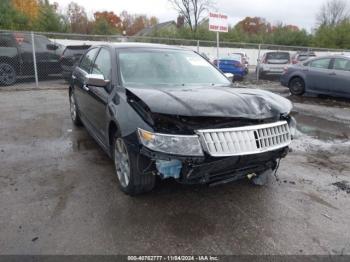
[(206, 169)]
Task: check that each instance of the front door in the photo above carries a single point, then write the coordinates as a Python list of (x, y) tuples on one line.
[(318, 76), (79, 78), (340, 77), (97, 98)]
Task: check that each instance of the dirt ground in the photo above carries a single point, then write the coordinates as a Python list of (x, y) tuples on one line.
[(59, 195)]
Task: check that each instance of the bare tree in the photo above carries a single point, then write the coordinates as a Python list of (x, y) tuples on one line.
[(192, 10), (333, 13)]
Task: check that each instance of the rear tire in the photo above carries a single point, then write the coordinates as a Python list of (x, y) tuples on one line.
[(129, 166), (297, 86), (74, 112), (8, 75)]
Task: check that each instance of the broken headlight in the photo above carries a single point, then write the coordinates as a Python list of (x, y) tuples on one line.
[(171, 144)]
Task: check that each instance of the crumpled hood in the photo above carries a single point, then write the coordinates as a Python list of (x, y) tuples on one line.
[(213, 102)]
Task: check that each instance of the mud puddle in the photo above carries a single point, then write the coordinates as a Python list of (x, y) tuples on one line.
[(343, 186)]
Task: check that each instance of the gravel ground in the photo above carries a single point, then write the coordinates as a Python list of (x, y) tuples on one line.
[(58, 193)]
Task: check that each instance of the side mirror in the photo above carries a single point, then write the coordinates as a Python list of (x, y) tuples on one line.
[(52, 47), (230, 76), (96, 80)]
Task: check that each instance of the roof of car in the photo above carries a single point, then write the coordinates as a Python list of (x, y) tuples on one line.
[(143, 45)]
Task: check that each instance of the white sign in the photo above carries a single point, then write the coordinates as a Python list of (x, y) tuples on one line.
[(218, 22)]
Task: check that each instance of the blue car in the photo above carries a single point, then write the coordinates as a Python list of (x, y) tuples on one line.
[(233, 65)]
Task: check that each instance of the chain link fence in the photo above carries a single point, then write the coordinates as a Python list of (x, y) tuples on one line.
[(27, 57)]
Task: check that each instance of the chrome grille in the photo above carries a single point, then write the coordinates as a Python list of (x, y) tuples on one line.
[(245, 140)]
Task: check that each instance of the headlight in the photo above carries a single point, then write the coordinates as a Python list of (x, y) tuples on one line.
[(171, 144)]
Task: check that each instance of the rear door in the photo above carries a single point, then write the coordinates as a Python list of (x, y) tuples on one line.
[(47, 57), (318, 75), (78, 80), (340, 76)]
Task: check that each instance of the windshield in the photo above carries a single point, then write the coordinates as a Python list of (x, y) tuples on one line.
[(168, 67)]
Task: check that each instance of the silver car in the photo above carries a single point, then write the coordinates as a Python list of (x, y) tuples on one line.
[(273, 63), (329, 75)]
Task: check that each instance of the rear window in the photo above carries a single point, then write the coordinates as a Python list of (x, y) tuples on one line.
[(74, 51), (305, 57), (277, 56)]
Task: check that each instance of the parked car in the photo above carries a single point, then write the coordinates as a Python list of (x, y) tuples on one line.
[(329, 75), (232, 64), (273, 63), (302, 56), (16, 56), (70, 57), (164, 111), (245, 60)]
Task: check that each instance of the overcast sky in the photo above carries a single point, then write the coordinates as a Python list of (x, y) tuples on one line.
[(298, 12)]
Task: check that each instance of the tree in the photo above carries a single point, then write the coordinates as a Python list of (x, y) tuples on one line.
[(332, 13), (192, 11), (110, 17), (28, 7), (48, 19), (106, 23), (78, 19), (254, 25), (10, 18)]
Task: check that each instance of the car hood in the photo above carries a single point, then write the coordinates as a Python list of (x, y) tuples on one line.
[(213, 102)]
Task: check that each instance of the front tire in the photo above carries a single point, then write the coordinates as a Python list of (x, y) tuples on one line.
[(8, 75), (297, 86), (130, 169)]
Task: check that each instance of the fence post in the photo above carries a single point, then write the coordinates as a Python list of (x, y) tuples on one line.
[(34, 61), (198, 46), (258, 65)]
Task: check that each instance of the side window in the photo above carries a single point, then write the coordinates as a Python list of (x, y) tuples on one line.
[(102, 64), (320, 63), (341, 64), (88, 59), (6, 40), (41, 42)]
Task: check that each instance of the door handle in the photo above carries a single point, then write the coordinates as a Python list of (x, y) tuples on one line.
[(85, 87)]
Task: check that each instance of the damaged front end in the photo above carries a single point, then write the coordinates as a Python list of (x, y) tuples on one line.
[(217, 155), (195, 148)]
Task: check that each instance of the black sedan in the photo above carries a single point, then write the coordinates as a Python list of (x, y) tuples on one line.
[(164, 111), (328, 75)]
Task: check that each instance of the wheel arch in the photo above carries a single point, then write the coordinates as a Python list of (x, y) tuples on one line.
[(113, 128)]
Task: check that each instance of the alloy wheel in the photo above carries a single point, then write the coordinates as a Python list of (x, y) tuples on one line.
[(121, 160), (297, 86), (7, 74)]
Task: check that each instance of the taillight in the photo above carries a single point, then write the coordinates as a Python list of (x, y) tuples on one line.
[(237, 64)]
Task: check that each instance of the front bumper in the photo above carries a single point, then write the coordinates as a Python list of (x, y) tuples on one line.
[(209, 170)]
